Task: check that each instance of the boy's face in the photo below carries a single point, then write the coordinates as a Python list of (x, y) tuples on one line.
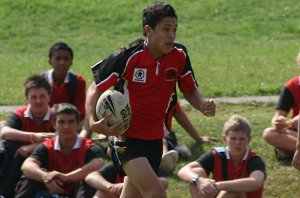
[(38, 98), (162, 37), (61, 62), (66, 125), (237, 143)]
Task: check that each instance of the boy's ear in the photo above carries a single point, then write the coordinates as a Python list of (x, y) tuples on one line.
[(54, 127), (147, 29), (49, 61), (224, 138)]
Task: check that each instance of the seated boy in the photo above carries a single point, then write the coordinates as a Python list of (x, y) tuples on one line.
[(67, 86), (58, 164), (283, 132), (236, 170), (29, 125)]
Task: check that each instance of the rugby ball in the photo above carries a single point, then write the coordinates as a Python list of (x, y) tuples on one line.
[(114, 102)]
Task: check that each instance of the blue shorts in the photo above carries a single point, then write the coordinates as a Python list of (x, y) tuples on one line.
[(129, 148)]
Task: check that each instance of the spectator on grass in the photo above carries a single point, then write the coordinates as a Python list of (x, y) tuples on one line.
[(67, 87), (283, 132), (108, 183), (29, 125), (57, 165), (236, 170)]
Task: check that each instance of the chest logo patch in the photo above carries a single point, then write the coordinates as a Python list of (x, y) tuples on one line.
[(139, 75), (171, 74)]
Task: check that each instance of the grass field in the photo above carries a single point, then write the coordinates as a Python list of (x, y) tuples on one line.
[(237, 48)]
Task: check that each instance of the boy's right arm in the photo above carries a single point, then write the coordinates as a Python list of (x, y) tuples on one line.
[(97, 181), (279, 120), (100, 126), (31, 169), (9, 133)]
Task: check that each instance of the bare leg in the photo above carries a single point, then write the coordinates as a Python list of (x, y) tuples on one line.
[(141, 180), (284, 140)]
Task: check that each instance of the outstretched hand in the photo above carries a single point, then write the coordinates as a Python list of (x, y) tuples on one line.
[(209, 108), (40, 137), (208, 139)]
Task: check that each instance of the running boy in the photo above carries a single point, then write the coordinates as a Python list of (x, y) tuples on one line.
[(148, 74)]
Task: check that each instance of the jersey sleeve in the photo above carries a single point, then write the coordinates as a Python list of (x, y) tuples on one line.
[(286, 100), (207, 162), (79, 100), (187, 81), (41, 154), (107, 72), (94, 152), (256, 163), (14, 121)]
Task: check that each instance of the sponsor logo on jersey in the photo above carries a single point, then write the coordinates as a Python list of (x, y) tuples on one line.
[(139, 75), (171, 74)]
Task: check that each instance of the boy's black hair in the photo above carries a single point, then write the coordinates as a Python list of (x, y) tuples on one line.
[(37, 81), (65, 108), (152, 15), (60, 46)]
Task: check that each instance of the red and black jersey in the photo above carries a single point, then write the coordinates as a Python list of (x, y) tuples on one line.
[(69, 91), (23, 120), (148, 83), (213, 162), (169, 116), (289, 98), (51, 158)]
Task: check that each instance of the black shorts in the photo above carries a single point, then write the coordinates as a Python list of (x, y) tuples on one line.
[(129, 148)]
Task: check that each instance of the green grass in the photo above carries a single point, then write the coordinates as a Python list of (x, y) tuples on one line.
[(236, 47), (282, 179)]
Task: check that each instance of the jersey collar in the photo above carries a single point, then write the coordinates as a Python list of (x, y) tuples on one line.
[(50, 76), (57, 145), (28, 113), (244, 157)]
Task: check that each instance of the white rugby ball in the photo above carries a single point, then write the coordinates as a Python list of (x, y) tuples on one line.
[(114, 102)]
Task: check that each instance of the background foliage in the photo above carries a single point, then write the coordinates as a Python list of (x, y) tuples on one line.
[(237, 48)]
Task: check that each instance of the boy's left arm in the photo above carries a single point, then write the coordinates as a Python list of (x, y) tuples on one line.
[(253, 183), (195, 98), (80, 173)]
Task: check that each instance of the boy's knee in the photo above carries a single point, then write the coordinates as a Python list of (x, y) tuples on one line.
[(267, 133)]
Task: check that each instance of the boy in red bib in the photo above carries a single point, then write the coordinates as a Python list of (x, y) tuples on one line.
[(236, 170), (60, 163), (29, 125)]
